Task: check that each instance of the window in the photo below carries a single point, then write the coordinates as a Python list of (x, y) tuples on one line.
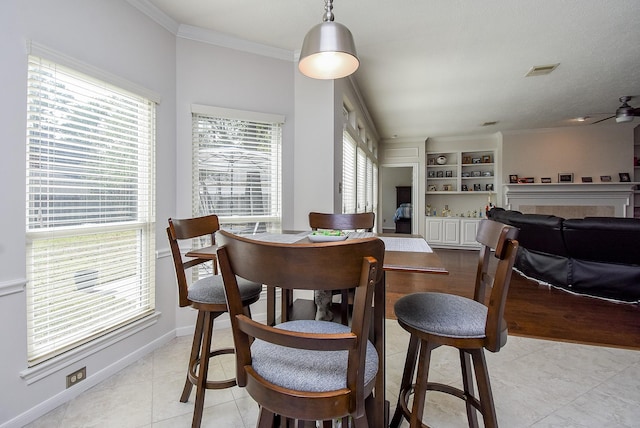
[(90, 208), (359, 177), (237, 168)]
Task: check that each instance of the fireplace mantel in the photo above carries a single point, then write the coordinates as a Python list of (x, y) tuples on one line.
[(617, 196)]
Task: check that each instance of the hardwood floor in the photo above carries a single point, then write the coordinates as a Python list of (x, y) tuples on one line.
[(532, 310)]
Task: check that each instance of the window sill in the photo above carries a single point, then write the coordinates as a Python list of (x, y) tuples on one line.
[(47, 368)]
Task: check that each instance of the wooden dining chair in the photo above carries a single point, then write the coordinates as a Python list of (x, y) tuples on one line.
[(351, 222), (206, 295), (304, 370), (470, 325), (358, 221)]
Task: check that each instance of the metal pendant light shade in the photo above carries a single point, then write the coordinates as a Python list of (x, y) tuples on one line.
[(328, 50)]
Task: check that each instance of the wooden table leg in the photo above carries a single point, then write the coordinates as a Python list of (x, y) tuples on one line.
[(381, 406)]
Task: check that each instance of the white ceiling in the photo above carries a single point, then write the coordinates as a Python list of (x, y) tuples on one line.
[(445, 67)]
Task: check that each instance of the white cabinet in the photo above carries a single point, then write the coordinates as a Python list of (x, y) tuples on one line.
[(451, 232), (469, 230)]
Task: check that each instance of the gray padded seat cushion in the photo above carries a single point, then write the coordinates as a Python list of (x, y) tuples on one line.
[(305, 370), (443, 314), (211, 290)]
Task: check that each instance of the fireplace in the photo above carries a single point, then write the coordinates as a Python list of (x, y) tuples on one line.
[(571, 200)]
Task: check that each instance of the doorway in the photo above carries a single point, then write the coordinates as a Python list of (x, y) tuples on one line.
[(392, 176)]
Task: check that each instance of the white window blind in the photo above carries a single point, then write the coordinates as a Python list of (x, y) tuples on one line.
[(348, 175), (361, 184), (359, 177), (90, 208), (237, 168)]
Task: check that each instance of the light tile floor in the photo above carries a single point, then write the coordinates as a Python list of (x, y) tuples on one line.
[(536, 383)]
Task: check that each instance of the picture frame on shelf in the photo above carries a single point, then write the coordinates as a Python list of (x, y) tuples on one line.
[(605, 178), (526, 180), (465, 188), (440, 174), (486, 159), (447, 187), (624, 177), (476, 173), (587, 179), (489, 187), (565, 177), (466, 159), (448, 173), (431, 161), (431, 174), (545, 180), (513, 178), (477, 187)]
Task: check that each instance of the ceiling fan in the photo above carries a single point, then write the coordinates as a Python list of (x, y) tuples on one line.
[(624, 113)]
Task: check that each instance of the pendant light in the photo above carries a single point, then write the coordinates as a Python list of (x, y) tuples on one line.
[(328, 50)]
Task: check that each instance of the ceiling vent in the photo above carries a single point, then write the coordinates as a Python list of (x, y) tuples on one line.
[(541, 70), (489, 123)]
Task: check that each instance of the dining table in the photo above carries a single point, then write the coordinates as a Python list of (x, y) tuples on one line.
[(403, 253)]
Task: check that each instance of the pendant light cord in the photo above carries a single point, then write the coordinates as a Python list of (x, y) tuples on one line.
[(328, 11)]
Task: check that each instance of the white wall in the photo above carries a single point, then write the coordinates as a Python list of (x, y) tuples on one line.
[(215, 76), (116, 38), (585, 151)]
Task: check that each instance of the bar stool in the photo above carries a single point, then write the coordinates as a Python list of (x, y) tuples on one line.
[(207, 296), (436, 319)]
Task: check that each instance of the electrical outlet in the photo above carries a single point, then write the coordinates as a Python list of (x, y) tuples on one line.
[(77, 376)]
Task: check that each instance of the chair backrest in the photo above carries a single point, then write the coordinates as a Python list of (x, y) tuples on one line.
[(357, 221), (310, 266), (501, 239), (182, 229)]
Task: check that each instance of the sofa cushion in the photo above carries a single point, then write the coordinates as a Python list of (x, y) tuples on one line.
[(549, 268), (603, 239), (609, 280), (540, 232)]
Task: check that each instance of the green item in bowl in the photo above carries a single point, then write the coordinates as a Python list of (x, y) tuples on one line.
[(327, 232)]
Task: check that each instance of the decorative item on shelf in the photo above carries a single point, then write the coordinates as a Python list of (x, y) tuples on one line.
[(427, 210), (440, 174), (448, 173), (513, 178), (489, 188), (476, 173), (447, 187), (432, 188), (526, 180), (475, 160), (587, 180), (465, 188), (466, 174), (605, 178), (565, 177), (624, 177), (486, 159), (545, 180), (441, 160), (487, 174), (477, 188), (466, 159), (431, 174), (431, 161)]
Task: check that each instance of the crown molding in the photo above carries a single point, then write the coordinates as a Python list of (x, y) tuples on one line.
[(156, 14), (224, 40)]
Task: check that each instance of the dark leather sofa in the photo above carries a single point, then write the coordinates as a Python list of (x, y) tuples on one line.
[(596, 256)]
